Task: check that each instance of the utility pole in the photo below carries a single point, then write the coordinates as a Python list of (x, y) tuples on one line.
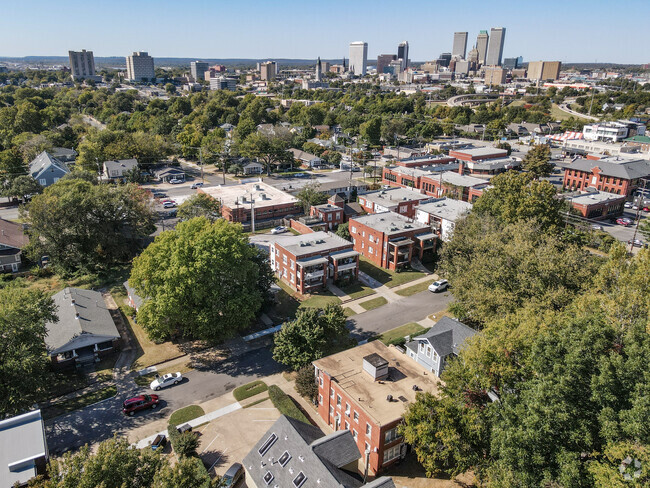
[(201, 163), (593, 91), (639, 201)]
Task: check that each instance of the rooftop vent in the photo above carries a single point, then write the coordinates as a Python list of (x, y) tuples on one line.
[(389, 398), (375, 366), (72, 302), (76, 316)]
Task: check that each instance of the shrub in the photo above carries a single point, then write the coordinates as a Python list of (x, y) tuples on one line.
[(284, 403), (306, 383)]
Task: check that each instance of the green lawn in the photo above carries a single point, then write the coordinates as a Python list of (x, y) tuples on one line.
[(412, 290), (289, 301), (349, 312), (558, 114), (286, 405), (396, 336), (320, 300), (185, 414), (387, 277), (374, 303), (358, 290), (61, 408), (249, 390)]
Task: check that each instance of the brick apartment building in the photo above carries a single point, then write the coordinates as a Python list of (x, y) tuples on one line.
[(237, 201), (454, 185), (305, 262), (366, 390), (478, 153), (597, 205), (389, 240), (331, 215), (610, 175), (399, 200), (428, 160), (441, 215)]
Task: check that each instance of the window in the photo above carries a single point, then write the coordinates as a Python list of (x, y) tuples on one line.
[(421, 347), (429, 349), (299, 480), (347, 425), (355, 434), (371, 238), (329, 217), (347, 409), (370, 249), (332, 392), (391, 435), (392, 453), (356, 417), (267, 445), (368, 429), (338, 400), (284, 459), (320, 399), (320, 381), (352, 229), (292, 266), (284, 259), (367, 447), (43, 181)]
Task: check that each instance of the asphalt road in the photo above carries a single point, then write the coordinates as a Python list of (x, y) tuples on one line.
[(100, 421)]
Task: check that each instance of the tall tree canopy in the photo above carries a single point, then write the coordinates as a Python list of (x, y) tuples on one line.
[(199, 205), (200, 280), (537, 161)]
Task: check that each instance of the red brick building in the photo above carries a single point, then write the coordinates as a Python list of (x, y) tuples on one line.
[(598, 205), (366, 390), (331, 215), (306, 262), (610, 175), (478, 153), (237, 201), (399, 200), (390, 240), (428, 160), (453, 185)]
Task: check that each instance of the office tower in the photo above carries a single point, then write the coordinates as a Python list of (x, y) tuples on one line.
[(495, 46), (223, 83), (358, 58), (383, 60), (495, 75), (82, 64), (139, 67), (268, 70), (319, 70), (511, 63), (403, 54), (482, 45), (460, 45), (444, 60), (544, 70), (198, 69)]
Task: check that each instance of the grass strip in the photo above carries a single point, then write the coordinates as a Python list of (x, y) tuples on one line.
[(248, 390), (61, 408), (412, 290), (374, 303), (256, 402), (185, 414), (286, 405), (396, 336)]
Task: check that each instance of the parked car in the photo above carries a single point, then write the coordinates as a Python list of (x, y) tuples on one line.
[(624, 221), (166, 380), (175, 181), (132, 405), (234, 476), (194, 186), (279, 229), (440, 285), (646, 209), (169, 204), (159, 442), (627, 204), (171, 214), (596, 227), (636, 242)]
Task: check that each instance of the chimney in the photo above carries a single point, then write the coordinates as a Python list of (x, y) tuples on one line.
[(461, 167)]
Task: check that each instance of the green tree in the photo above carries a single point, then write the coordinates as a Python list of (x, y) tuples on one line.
[(313, 334), (306, 382), (199, 205), (11, 167), (343, 230), (200, 281), (184, 444), (22, 186), (82, 226), (188, 472), (515, 197), (537, 161), (371, 131), (170, 89), (268, 149), (310, 195), (23, 362)]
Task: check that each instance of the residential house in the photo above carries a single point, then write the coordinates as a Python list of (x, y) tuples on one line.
[(442, 215), (389, 239), (331, 215), (399, 200), (47, 170), (295, 454), (305, 262), (443, 341), (12, 242), (84, 332), (306, 159), (253, 168), (23, 449), (610, 174), (117, 170), (366, 390), (64, 154), (597, 205), (169, 173)]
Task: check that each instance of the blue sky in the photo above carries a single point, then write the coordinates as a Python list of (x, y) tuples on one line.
[(568, 30)]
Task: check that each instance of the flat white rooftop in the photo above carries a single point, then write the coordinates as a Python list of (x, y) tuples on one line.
[(262, 194), (590, 198), (446, 208)]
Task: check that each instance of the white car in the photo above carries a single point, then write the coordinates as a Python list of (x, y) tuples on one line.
[(279, 230), (169, 204), (627, 204), (166, 380), (175, 181), (194, 186), (440, 285)]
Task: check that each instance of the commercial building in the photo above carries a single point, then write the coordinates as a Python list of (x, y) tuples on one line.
[(23, 449), (237, 201), (482, 45), (597, 205), (495, 46), (494, 75), (305, 262), (610, 175), (477, 153), (403, 54), (544, 70), (399, 200), (223, 83), (302, 456), (441, 215), (139, 67), (82, 64), (612, 131), (383, 61), (198, 69), (268, 70), (460, 45), (366, 390), (513, 63), (389, 239), (358, 58)]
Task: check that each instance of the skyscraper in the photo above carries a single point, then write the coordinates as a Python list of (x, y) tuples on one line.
[(460, 45), (82, 64), (495, 46), (139, 67), (403, 54), (319, 70), (482, 45), (383, 60), (268, 70), (198, 69), (358, 57)]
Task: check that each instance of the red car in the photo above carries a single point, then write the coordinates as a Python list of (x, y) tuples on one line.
[(132, 405)]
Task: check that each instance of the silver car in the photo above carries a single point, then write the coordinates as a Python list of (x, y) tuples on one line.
[(166, 380), (440, 285)]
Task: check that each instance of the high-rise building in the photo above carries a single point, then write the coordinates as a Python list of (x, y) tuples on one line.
[(403, 54), (460, 45), (139, 67), (512, 63), (495, 46), (544, 70), (482, 45), (82, 64), (319, 70), (268, 70), (223, 83), (358, 58), (198, 69), (495, 75), (383, 60), (444, 59)]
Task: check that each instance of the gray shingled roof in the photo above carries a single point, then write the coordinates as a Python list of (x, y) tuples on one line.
[(121, 165), (12, 234), (447, 336), (624, 168), (43, 161), (22, 442), (93, 326)]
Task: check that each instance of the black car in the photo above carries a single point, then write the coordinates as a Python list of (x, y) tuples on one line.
[(234, 476)]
